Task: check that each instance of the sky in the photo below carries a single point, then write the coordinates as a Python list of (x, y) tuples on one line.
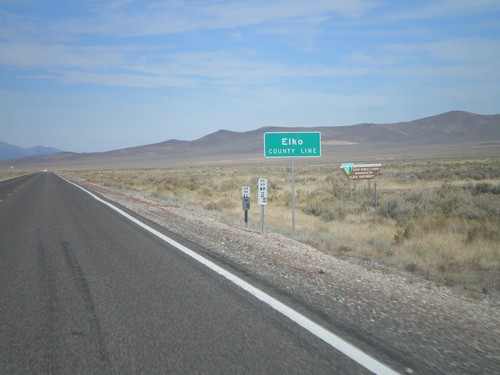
[(93, 75)]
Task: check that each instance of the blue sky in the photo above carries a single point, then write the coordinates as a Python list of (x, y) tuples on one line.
[(96, 75)]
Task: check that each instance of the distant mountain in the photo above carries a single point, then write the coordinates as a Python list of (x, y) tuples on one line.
[(454, 134), (8, 152)]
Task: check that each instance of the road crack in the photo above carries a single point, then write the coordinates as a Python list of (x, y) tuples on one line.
[(88, 302)]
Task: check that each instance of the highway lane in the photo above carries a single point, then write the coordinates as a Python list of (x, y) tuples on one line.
[(83, 290)]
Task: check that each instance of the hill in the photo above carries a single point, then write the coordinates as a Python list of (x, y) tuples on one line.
[(9, 152), (454, 134)]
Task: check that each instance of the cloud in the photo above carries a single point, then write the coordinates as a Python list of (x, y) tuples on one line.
[(137, 66), (465, 50), (59, 55), (471, 54), (122, 80), (162, 18), (441, 9), (460, 7)]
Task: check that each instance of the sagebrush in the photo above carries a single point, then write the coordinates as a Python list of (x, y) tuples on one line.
[(436, 219)]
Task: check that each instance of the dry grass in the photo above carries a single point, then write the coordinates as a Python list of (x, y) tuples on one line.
[(11, 173), (438, 220)]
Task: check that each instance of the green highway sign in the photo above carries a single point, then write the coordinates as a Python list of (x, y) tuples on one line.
[(294, 144)]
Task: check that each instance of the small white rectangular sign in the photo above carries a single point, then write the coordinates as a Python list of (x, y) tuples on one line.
[(262, 192)]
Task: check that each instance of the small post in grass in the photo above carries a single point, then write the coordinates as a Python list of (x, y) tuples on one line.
[(245, 202)]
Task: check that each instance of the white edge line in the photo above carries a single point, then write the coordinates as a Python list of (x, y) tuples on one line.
[(330, 338)]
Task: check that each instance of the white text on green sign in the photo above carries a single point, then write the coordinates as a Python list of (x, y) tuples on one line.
[(294, 144)]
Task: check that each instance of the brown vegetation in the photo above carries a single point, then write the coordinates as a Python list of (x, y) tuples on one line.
[(437, 220)]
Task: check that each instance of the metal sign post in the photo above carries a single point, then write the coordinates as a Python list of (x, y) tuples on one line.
[(293, 196), (245, 202), (262, 201)]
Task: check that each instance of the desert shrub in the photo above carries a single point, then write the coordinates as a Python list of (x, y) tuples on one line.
[(230, 185), (382, 247), (334, 212), (321, 241), (315, 208), (419, 201), (207, 193), (488, 204), (191, 186), (172, 183), (283, 198), (403, 233), (482, 231), (482, 188), (272, 185), (338, 188), (477, 171), (396, 208), (413, 267), (407, 177), (212, 206), (325, 211), (449, 199), (471, 212), (434, 172)]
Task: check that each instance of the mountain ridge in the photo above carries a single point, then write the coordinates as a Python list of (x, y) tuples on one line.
[(9, 152), (450, 134)]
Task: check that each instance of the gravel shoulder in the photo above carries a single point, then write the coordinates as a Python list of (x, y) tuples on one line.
[(412, 325)]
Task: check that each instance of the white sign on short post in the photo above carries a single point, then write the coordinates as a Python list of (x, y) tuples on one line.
[(262, 200), (245, 202), (262, 192)]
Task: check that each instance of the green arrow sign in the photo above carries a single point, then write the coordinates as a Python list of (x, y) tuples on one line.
[(295, 144), (347, 167)]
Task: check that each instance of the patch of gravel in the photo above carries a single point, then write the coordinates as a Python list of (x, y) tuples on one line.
[(415, 326)]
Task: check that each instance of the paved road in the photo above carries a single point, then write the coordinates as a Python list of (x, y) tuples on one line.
[(84, 290)]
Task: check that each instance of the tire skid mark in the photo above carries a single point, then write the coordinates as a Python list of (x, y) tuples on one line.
[(52, 310), (84, 290)]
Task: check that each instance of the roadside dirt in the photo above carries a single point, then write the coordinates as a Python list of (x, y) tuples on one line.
[(428, 329)]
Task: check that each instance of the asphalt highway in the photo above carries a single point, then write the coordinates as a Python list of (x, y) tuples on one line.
[(83, 290)]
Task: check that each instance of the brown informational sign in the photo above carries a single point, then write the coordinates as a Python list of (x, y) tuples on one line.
[(358, 172)]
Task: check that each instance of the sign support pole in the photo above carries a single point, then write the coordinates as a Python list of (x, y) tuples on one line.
[(262, 219), (293, 196)]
